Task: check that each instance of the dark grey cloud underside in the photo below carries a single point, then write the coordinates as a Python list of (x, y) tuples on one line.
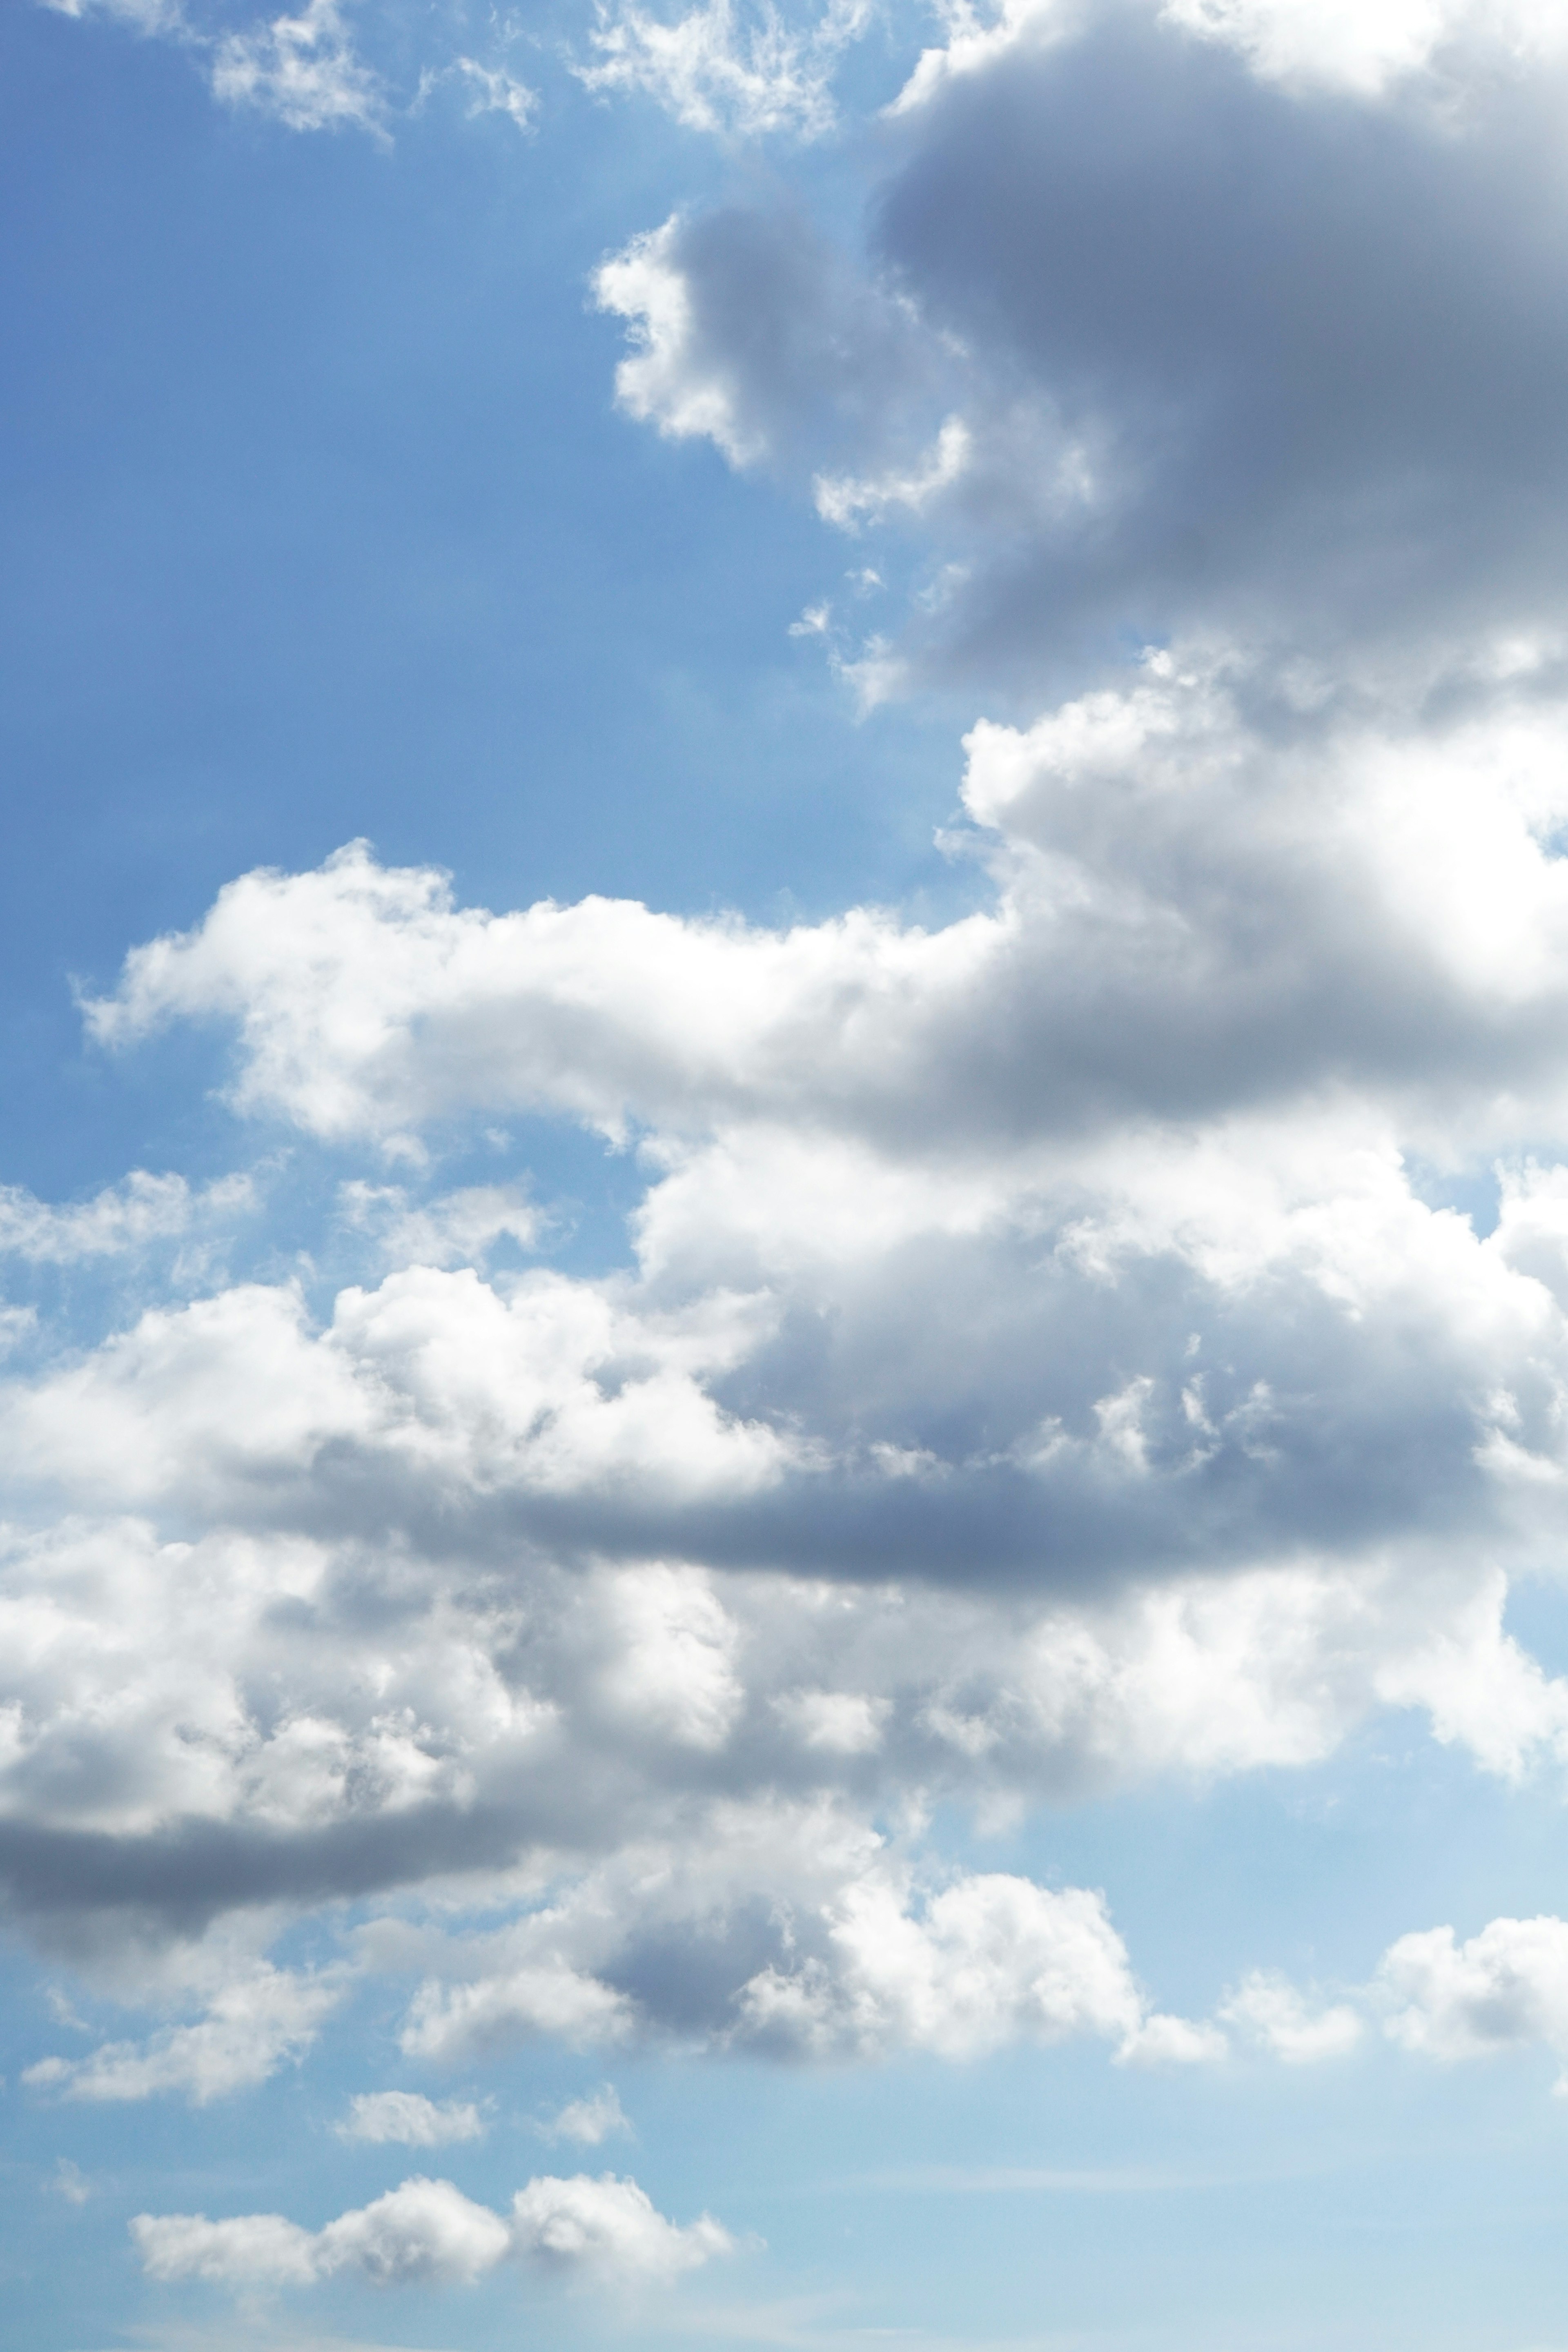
[(1329, 339)]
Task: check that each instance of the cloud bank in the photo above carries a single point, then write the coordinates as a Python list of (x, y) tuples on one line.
[(1118, 1333), (428, 2232)]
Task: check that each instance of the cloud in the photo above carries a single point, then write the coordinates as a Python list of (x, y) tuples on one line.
[(589, 2120), (609, 2228), (749, 329), (492, 91), (1434, 1997), (1369, 51), (303, 69), (1252, 962), (428, 2232), (1319, 419), (1507, 1986), (407, 2120), (796, 1930), (717, 72), (1295, 898), (119, 1219), (452, 2022), (989, 1961), (253, 2027), (1271, 2011), (456, 1229)]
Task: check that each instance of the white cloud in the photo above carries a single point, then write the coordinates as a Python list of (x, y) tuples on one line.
[(120, 1218), (492, 91), (1150, 430), (303, 69), (609, 2228), (989, 1961), (842, 1723), (1368, 47), (428, 2232), (589, 2121), (1271, 2009), (716, 71), (253, 2027), (455, 1229), (406, 2119), (450, 2022), (255, 2248), (1505, 1986), (849, 503), (146, 15)]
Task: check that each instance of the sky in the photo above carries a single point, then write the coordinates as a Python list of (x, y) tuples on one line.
[(783, 1233)]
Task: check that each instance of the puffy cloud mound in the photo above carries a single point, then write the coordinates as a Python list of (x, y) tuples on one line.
[(1506, 1986), (1087, 215), (428, 2231)]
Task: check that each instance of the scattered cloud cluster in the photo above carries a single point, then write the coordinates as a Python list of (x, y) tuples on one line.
[(307, 69), (428, 2232), (1056, 1347)]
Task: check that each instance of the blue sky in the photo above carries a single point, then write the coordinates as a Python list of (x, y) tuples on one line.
[(784, 1251)]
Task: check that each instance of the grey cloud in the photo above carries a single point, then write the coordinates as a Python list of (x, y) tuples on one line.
[(1262, 358), (1321, 338)]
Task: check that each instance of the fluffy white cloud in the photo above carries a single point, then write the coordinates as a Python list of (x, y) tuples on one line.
[(989, 1961), (428, 2231), (406, 2119), (610, 2228), (1369, 48), (1506, 1986), (1296, 900)]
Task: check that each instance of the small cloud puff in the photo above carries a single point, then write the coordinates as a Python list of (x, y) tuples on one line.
[(407, 2120), (588, 2121)]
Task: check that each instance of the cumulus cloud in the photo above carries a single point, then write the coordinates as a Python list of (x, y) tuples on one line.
[(1138, 430), (1050, 1352), (1242, 983), (1505, 1986), (1435, 1996), (989, 1961), (428, 2232)]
